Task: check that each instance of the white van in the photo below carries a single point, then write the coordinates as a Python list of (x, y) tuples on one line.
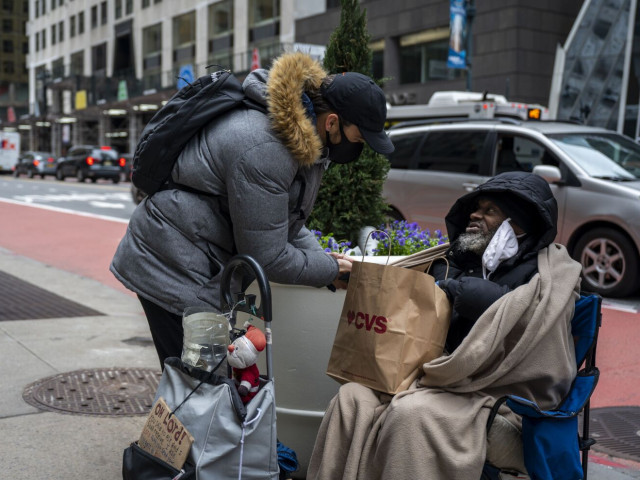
[(9, 151)]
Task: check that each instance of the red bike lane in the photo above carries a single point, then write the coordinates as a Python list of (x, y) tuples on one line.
[(85, 245), (75, 243)]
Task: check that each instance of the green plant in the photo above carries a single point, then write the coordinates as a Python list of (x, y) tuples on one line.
[(350, 197), (330, 244), (403, 237)]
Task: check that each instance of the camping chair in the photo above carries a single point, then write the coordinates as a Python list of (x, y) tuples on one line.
[(550, 439)]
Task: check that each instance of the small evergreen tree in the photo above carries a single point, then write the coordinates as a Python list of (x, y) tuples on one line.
[(350, 197)]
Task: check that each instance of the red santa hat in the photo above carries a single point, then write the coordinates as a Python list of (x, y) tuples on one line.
[(255, 336)]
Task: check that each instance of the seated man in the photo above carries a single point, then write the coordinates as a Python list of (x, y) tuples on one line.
[(513, 292)]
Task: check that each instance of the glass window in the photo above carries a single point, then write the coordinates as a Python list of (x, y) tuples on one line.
[(72, 26), (184, 41), (103, 13), (118, 9), (7, 5), (405, 149), (99, 58), (77, 63), (43, 37), (221, 34), (448, 151), (152, 56), (81, 22), (220, 18), (54, 34), (146, 3), (602, 155), (517, 153), (423, 57), (7, 25), (128, 7), (94, 16), (57, 68), (61, 31), (37, 8), (37, 41), (263, 11), (8, 67), (377, 63)]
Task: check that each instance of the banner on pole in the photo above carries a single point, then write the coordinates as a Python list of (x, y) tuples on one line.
[(458, 22), (255, 59)]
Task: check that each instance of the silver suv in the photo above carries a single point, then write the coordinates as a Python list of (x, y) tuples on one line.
[(594, 174)]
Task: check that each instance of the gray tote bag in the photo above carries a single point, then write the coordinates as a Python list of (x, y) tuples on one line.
[(231, 440)]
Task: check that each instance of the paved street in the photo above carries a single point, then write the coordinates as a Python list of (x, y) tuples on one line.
[(69, 255)]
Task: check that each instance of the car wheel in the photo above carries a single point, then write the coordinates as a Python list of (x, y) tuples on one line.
[(609, 262), (30, 174), (80, 175), (59, 175), (115, 179)]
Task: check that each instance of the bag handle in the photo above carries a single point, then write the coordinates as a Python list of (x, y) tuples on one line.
[(367, 241), (446, 274)]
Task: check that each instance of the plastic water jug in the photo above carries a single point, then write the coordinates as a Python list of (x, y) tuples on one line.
[(206, 337)]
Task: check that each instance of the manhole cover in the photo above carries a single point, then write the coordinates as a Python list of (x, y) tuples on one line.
[(616, 431), (111, 391)]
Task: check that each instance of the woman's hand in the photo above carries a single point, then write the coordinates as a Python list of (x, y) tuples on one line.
[(345, 263)]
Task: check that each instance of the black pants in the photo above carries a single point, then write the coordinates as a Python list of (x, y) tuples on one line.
[(166, 330)]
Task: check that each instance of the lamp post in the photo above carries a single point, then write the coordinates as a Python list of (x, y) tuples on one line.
[(471, 13)]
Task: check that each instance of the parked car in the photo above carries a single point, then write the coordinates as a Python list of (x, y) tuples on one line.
[(35, 163), (90, 161), (594, 174)]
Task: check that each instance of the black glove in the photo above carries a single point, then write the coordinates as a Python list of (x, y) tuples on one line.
[(450, 287)]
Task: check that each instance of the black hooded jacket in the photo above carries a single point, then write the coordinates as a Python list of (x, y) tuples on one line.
[(470, 294)]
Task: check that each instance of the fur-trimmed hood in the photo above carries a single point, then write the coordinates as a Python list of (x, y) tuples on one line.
[(281, 89)]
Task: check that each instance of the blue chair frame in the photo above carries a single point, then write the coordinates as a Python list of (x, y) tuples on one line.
[(551, 439)]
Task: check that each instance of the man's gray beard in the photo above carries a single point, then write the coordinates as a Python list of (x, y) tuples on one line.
[(474, 242)]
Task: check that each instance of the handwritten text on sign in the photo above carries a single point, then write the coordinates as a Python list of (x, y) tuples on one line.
[(165, 437)]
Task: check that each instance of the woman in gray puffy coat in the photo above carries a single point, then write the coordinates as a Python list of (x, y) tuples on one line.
[(246, 184)]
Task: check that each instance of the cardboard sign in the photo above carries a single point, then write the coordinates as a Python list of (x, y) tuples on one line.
[(165, 437)]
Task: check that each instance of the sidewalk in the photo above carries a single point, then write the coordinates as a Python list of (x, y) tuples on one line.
[(40, 445), (45, 445)]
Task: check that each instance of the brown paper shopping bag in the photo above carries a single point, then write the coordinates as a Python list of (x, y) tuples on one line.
[(393, 320)]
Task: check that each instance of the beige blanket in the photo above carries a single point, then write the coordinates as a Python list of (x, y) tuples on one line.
[(436, 430)]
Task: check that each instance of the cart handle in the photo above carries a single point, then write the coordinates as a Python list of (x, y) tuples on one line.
[(264, 310)]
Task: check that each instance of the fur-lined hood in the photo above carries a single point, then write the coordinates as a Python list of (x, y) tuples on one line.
[(281, 89)]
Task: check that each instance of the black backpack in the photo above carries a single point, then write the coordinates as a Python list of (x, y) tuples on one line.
[(189, 110)]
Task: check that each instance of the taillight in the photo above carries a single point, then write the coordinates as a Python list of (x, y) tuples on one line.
[(122, 162), (36, 163), (50, 160), (90, 161)]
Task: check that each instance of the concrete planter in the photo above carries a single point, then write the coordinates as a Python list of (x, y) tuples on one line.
[(305, 320)]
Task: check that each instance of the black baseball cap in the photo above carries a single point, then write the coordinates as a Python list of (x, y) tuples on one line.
[(357, 99)]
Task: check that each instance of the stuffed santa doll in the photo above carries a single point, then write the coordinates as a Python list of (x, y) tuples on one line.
[(242, 355)]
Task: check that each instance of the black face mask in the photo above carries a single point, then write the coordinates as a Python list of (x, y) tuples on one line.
[(345, 151)]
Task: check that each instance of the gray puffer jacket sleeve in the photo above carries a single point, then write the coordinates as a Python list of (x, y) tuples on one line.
[(258, 187)]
